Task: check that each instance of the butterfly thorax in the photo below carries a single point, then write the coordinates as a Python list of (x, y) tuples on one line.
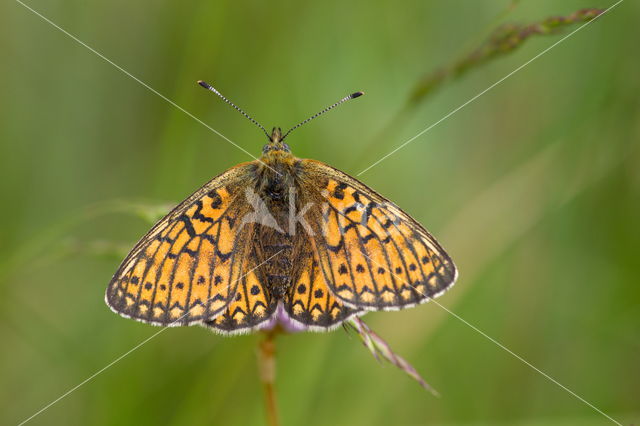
[(276, 174)]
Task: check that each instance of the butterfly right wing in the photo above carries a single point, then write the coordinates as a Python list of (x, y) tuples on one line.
[(373, 255), (187, 268)]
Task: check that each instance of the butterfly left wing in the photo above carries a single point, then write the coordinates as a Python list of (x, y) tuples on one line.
[(187, 268), (373, 255)]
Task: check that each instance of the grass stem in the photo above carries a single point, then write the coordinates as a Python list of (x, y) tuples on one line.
[(267, 371)]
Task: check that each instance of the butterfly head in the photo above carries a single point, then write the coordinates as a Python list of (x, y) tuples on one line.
[(276, 142)]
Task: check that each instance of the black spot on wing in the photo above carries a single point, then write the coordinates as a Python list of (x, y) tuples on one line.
[(339, 191)]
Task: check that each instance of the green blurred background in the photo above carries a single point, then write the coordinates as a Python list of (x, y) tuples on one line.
[(534, 189)]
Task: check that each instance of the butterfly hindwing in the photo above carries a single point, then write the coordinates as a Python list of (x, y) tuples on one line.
[(372, 254), (309, 300), (251, 306), (187, 268)]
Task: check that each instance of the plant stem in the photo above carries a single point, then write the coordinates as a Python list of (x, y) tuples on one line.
[(267, 371)]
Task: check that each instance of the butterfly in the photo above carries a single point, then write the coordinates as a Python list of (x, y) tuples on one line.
[(279, 242)]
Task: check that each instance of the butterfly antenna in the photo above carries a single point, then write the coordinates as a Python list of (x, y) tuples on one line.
[(213, 89), (329, 108)]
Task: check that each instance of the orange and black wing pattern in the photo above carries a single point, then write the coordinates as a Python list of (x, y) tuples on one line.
[(251, 306), (187, 269), (373, 255), (310, 302)]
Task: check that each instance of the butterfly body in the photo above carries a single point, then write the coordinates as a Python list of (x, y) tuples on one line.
[(276, 173), (279, 241)]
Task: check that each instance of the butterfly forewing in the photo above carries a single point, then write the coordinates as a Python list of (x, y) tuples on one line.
[(187, 268), (372, 254)]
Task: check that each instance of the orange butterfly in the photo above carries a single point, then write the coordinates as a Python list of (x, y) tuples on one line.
[(280, 241)]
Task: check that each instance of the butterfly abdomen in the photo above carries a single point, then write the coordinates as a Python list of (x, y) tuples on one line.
[(274, 252)]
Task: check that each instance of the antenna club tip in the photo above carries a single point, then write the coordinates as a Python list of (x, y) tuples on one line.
[(357, 95), (203, 84)]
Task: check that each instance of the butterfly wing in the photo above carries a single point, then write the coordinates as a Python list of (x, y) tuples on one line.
[(187, 268), (372, 254), (251, 306), (309, 301)]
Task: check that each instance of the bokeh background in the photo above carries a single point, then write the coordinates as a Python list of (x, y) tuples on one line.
[(534, 189)]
